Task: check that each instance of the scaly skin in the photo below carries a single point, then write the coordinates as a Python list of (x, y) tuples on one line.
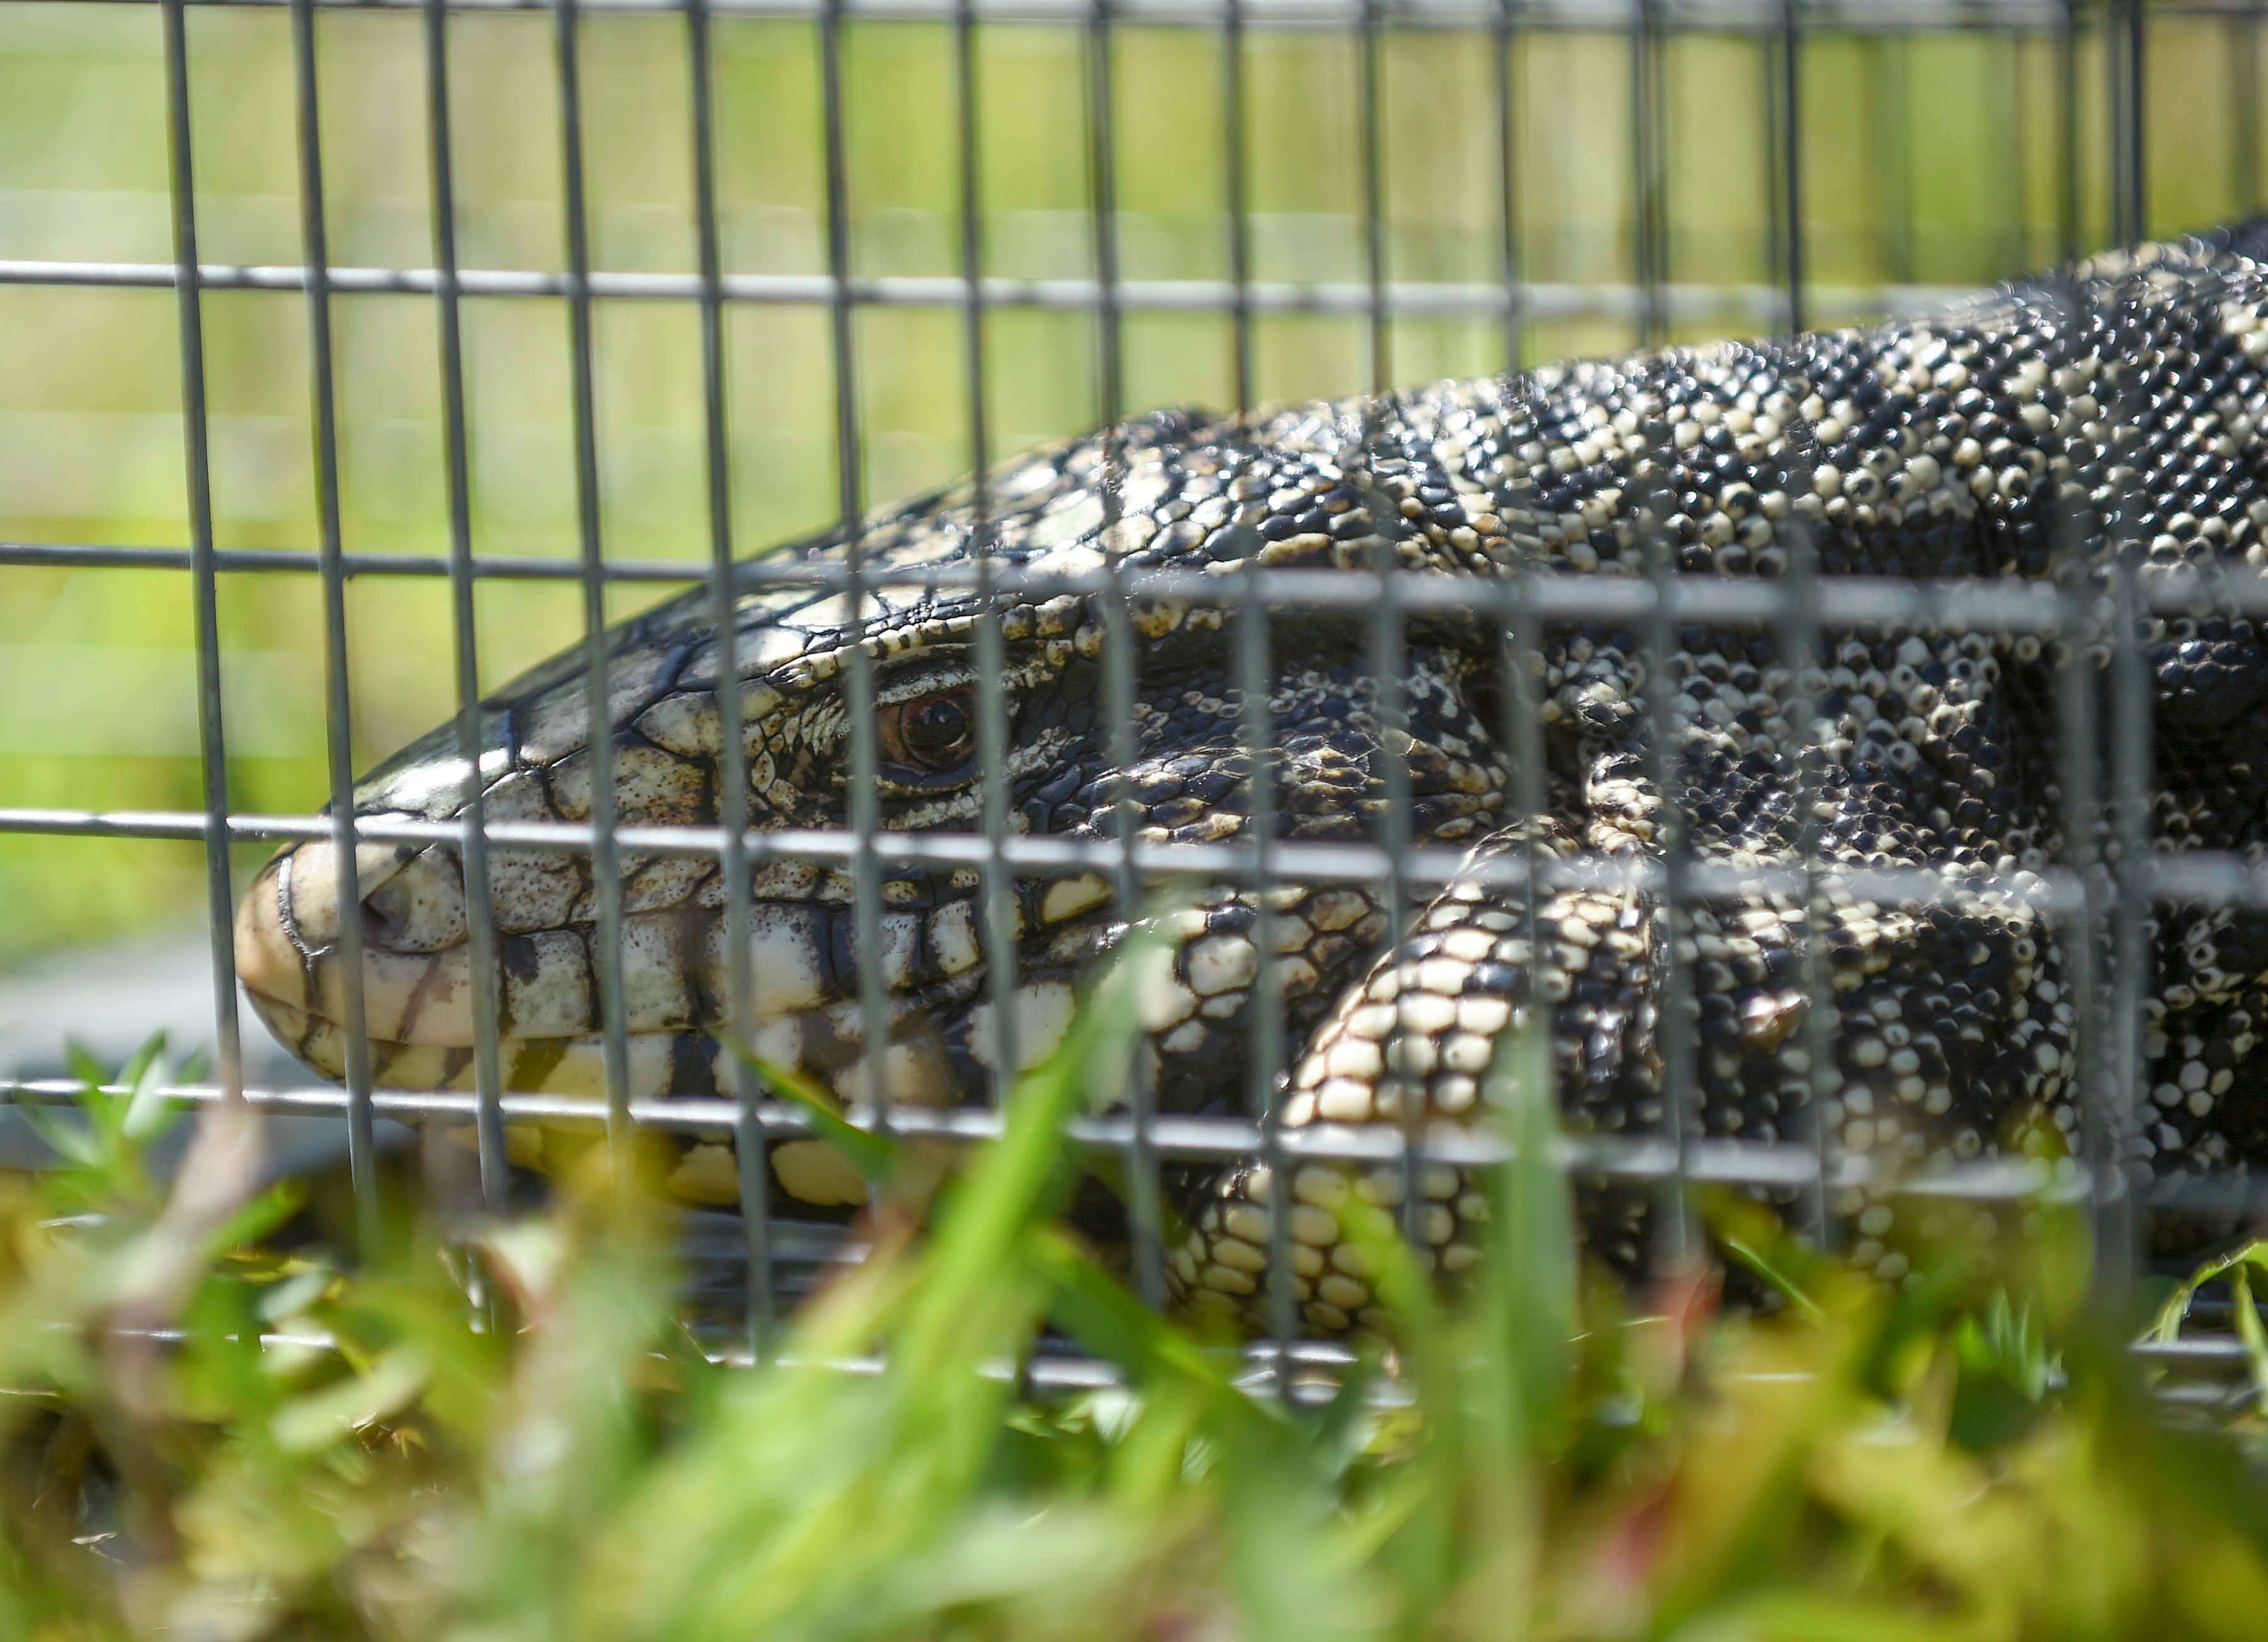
[(1920, 450)]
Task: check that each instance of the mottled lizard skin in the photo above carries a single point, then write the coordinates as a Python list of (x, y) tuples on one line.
[(2125, 400)]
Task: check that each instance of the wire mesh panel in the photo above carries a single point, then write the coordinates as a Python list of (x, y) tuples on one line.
[(1075, 212)]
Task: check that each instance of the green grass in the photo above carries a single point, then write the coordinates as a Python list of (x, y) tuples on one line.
[(1974, 1456), (1927, 160), (1971, 1457)]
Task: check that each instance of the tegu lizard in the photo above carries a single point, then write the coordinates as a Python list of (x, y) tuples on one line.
[(2033, 433)]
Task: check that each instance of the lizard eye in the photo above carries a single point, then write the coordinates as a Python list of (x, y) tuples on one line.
[(930, 732)]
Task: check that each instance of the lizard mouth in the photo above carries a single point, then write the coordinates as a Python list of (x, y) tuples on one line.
[(939, 1041)]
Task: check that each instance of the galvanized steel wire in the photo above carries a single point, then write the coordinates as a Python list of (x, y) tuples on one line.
[(1795, 608)]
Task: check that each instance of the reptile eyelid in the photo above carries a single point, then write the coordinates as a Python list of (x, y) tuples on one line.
[(933, 676)]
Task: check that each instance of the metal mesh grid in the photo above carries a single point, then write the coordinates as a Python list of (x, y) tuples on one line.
[(1652, 302)]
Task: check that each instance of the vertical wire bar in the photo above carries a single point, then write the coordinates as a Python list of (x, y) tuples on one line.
[(1648, 251), (750, 1156), (605, 862), (2131, 768), (2123, 23), (1800, 640), (2129, 710), (2022, 116), (1238, 204), (1387, 646), (1118, 679), (338, 709), (1257, 727), (2078, 772), (1799, 643), (2244, 107), (480, 914), (1671, 1026), (1507, 181), (1889, 60), (2082, 813), (1522, 733), (2067, 201), (212, 743), (2013, 116), (1374, 201), (997, 881), (1790, 104), (1799, 635), (1769, 47), (1672, 1032), (859, 666)]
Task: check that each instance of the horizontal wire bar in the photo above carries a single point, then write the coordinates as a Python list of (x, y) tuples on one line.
[(1768, 1166), (302, 561), (2208, 1349), (1052, 1371), (1969, 603), (2050, 888), (1405, 297), (1739, 16), (2191, 875), (1048, 1370)]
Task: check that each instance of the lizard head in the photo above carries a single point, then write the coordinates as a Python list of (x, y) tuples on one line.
[(1183, 495)]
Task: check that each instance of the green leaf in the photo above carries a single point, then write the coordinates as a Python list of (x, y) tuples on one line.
[(300, 1289), (1760, 1262), (876, 1156), (1527, 1291), (323, 1418), (2248, 1329), (2167, 1326), (90, 1072), (62, 1134), (1018, 1179), (145, 1061), (148, 1114), (1102, 1314), (1343, 1432), (259, 1216)]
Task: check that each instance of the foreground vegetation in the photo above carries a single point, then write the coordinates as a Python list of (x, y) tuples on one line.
[(1970, 1458)]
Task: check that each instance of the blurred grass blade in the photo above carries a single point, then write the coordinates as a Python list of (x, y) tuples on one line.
[(1529, 1282), (1023, 1177), (72, 1141), (876, 1156), (2249, 1330), (323, 1418), (88, 1072), (1102, 1314), (147, 1113), (1760, 1261), (2166, 1327)]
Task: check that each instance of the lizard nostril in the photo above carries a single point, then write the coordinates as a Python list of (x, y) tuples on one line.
[(385, 911)]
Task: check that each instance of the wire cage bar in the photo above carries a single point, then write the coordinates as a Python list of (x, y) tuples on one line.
[(1650, 302)]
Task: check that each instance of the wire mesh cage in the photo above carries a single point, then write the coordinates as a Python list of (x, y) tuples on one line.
[(690, 336)]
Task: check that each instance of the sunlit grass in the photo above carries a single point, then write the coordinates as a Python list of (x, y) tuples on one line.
[(1971, 1456)]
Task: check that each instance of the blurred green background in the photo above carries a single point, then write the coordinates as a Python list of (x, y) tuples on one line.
[(1931, 160)]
